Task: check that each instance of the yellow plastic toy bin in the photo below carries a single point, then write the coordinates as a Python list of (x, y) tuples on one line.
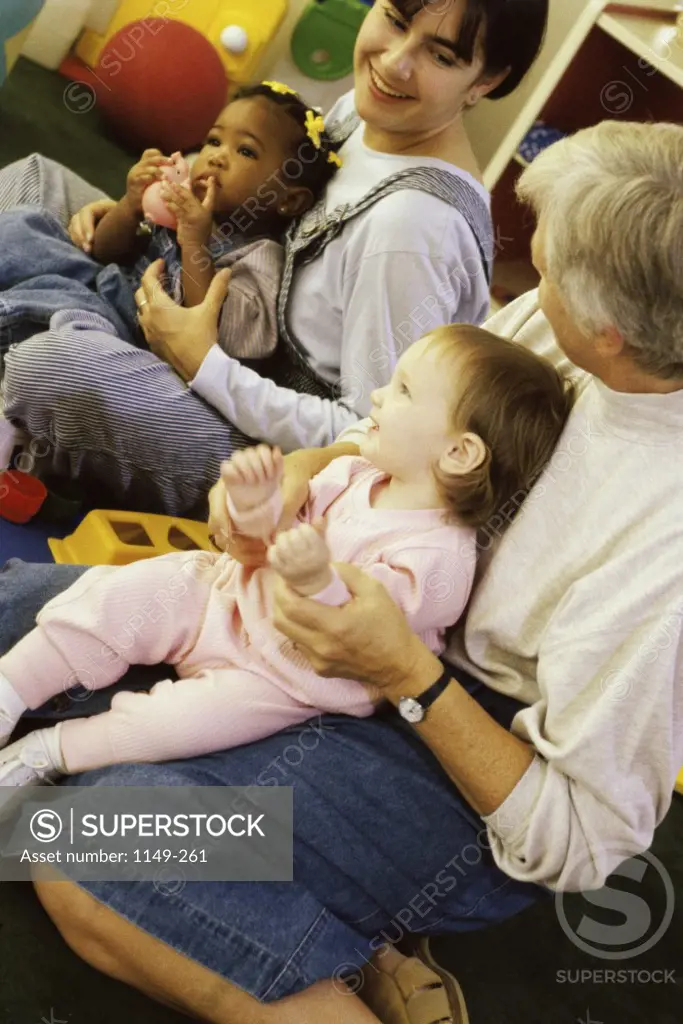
[(240, 30), (108, 537)]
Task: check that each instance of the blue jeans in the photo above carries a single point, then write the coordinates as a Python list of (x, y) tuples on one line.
[(384, 843), (43, 272)]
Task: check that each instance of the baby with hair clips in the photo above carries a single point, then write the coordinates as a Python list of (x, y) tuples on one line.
[(463, 429), (233, 212)]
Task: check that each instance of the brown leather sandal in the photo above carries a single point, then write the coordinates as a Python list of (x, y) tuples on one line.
[(412, 992), (456, 998)]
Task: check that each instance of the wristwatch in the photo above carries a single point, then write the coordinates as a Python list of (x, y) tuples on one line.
[(414, 709)]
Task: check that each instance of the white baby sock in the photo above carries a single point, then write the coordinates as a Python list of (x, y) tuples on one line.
[(34, 760), (48, 741), (12, 708)]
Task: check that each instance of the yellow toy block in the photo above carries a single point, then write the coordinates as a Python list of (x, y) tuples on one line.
[(107, 537), (679, 782), (241, 53)]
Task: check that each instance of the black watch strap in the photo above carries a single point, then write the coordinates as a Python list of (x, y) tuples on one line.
[(428, 696), (414, 709)]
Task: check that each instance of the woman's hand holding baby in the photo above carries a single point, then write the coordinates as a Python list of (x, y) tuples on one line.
[(301, 556), (367, 638), (182, 337)]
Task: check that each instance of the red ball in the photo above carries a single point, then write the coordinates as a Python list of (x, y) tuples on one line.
[(160, 84)]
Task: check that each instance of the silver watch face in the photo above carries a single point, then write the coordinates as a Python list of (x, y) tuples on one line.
[(411, 710)]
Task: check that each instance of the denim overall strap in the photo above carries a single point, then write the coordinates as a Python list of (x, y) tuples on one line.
[(317, 228)]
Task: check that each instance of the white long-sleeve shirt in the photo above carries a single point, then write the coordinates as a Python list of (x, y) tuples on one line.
[(578, 613), (408, 264)]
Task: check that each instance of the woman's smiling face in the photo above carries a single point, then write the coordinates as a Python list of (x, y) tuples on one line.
[(407, 75)]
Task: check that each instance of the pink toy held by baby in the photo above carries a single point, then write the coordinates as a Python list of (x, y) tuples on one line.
[(153, 206)]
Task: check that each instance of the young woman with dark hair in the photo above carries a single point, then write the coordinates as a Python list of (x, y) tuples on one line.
[(400, 243)]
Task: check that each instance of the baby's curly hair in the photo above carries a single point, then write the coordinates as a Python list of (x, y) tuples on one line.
[(517, 403), (315, 167)]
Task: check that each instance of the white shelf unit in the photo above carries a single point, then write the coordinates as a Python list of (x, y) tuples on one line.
[(496, 127), (595, 64), (656, 41)]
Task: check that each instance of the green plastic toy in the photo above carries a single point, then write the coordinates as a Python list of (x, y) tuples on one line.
[(323, 40)]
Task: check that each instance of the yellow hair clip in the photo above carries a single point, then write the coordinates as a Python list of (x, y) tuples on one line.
[(315, 126), (332, 158), (284, 90)]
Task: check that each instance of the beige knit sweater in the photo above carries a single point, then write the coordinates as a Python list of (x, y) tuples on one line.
[(578, 612)]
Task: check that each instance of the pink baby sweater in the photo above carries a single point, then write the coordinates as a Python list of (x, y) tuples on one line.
[(211, 618)]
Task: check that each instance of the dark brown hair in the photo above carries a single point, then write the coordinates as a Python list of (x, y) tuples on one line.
[(517, 403), (511, 34)]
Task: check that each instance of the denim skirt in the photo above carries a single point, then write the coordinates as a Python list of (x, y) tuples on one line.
[(384, 844)]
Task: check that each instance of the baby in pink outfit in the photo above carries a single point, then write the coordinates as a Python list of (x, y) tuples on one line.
[(461, 432)]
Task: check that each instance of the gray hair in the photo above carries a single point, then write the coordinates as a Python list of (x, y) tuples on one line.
[(611, 198)]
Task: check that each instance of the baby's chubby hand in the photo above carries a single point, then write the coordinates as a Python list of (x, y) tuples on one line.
[(252, 475), (302, 557), (144, 173), (194, 216), (253, 479)]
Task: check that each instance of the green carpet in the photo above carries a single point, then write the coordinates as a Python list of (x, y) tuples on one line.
[(510, 974), (37, 116)]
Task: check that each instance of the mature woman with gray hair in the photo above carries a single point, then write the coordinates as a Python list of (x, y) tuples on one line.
[(610, 207), (544, 752)]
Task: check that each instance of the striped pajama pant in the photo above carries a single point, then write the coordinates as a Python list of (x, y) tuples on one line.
[(99, 411)]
